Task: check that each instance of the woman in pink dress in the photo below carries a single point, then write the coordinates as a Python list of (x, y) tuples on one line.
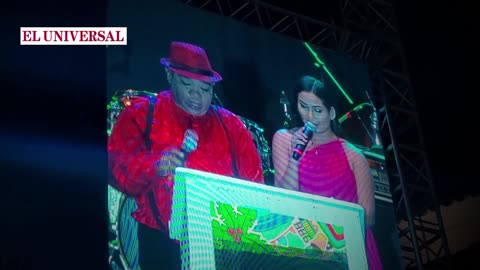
[(329, 166)]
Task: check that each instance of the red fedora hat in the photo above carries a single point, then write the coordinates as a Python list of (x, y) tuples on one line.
[(190, 61)]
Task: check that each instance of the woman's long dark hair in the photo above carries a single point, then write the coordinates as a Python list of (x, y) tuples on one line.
[(322, 91)]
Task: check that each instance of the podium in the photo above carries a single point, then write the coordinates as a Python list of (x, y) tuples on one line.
[(227, 223)]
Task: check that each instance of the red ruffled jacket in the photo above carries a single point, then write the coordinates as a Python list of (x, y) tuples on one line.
[(134, 168)]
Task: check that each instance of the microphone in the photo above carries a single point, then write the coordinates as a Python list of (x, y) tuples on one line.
[(170, 160), (190, 142), (286, 104), (216, 98), (299, 148)]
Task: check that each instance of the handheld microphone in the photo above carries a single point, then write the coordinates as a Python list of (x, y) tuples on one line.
[(299, 148), (190, 142), (170, 160)]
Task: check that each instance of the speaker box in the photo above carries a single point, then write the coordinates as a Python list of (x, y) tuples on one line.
[(386, 236)]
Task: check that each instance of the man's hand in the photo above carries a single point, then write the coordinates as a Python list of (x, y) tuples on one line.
[(169, 161), (173, 157)]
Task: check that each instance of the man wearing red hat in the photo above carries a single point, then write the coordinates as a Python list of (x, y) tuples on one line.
[(186, 130)]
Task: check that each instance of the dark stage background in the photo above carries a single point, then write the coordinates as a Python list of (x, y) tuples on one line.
[(53, 112)]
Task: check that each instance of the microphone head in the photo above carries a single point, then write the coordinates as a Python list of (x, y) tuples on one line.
[(190, 141), (283, 99), (309, 129)]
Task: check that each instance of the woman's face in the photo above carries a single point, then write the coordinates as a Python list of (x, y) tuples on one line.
[(312, 109)]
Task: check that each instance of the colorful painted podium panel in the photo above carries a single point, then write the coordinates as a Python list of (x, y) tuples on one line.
[(227, 223)]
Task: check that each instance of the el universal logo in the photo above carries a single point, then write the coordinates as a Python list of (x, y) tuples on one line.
[(73, 35)]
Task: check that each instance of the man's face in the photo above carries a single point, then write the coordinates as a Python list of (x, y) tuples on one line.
[(193, 96)]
